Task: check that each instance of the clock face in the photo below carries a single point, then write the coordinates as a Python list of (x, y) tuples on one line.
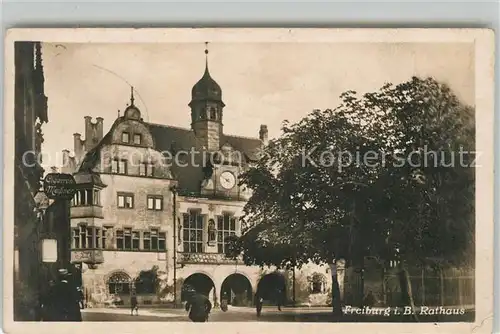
[(227, 180)]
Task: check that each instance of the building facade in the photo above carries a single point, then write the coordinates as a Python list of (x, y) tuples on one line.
[(30, 113), (156, 205)]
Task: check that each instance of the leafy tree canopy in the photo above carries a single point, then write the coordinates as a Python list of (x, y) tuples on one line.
[(387, 174)]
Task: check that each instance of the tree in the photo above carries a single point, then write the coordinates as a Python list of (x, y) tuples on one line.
[(148, 281), (338, 184)]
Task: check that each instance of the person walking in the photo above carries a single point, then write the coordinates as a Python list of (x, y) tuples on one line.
[(80, 297), (134, 305), (199, 307), (280, 297), (258, 303)]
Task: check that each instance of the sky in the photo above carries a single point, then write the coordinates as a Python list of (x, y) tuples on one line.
[(262, 83)]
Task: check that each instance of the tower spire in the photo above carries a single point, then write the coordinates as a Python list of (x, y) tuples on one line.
[(132, 95), (206, 56)]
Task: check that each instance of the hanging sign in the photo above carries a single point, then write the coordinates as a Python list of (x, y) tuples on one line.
[(59, 186)]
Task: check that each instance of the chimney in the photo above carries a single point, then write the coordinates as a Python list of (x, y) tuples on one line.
[(66, 168), (88, 129), (65, 157), (99, 128), (263, 134), (78, 145)]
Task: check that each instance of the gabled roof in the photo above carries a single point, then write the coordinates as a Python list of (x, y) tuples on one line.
[(174, 139)]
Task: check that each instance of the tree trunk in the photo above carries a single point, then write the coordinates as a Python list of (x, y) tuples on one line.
[(406, 290), (336, 298)]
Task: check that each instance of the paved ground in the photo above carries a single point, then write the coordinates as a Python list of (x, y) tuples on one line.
[(268, 315)]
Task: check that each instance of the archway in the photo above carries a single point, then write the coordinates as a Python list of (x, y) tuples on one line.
[(272, 288), (200, 283), (317, 283), (237, 289)]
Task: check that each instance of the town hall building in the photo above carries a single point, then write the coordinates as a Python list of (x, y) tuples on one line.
[(152, 218)]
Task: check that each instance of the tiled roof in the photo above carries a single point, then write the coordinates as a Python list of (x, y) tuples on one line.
[(168, 137)]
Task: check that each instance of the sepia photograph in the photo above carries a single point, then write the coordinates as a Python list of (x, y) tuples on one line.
[(249, 175)]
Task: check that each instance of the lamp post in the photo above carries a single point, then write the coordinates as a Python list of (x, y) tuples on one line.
[(173, 189)]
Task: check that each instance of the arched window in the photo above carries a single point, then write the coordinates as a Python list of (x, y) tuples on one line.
[(318, 283), (213, 115), (119, 283)]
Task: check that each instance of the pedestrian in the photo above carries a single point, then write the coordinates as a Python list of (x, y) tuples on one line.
[(280, 298), (199, 307), (65, 299), (134, 305), (49, 310), (80, 297), (258, 303), (369, 300)]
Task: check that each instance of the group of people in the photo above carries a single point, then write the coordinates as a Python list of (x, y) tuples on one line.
[(62, 301), (199, 306)]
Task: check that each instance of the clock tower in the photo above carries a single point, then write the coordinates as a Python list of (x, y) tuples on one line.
[(206, 111)]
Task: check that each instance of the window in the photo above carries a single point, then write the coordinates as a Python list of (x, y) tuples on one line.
[(119, 166), (193, 232), (212, 113), (119, 240), (154, 239), (162, 237), (84, 197), (114, 166), (226, 226), (122, 167), (83, 236), (146, 169), (97, 197), (125, 137), (155, 203), (128, 238), (135, 240), (146, 240), (86, 237), (119, 283), (97, 234), (126, 201), (106, 230), (137, 139), (76, 238)]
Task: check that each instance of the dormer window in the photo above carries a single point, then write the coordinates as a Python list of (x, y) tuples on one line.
[(125, 137), (137, 139)]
